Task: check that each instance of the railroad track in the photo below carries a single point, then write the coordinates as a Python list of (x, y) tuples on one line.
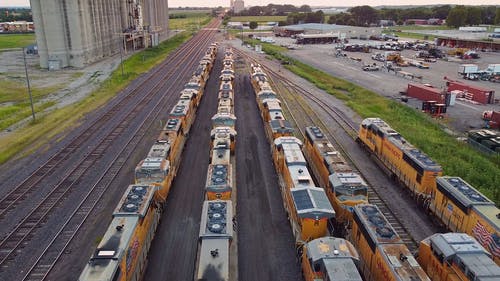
[(294, 106), (66, 233), (18, 194)]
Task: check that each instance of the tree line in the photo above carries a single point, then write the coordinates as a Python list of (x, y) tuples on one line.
[(365, 15), (15, 14)]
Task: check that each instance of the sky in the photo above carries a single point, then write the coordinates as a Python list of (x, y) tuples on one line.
[(225, 3)]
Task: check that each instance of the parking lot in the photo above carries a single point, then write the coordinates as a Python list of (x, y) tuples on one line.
[(461, 117)]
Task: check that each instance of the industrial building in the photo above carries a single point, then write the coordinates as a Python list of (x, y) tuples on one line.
[(340, 31), (238, 6), (77, 33)]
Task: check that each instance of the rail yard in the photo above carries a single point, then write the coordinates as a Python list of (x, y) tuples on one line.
[(220, 165)]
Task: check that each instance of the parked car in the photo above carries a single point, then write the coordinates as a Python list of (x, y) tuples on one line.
[(370, 67)]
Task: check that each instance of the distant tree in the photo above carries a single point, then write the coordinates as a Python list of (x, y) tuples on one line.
[(305, 8), (282, 23), (253, 25), (497, 16), (441, 12), (364, 15), (457, 16), (488, 14), (473, 16)]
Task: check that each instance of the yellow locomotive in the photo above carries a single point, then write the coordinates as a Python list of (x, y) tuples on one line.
[(456, 256), (307, 205), (344, 188), (411, 166), (121, 254), (461, 208), (384, 256), (330, 258)]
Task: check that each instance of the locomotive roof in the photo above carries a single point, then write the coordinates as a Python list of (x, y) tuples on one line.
[(383, 129), (461, 193), (291, 147), (173, 125), (219, 178), (375, 224), (266, 94), (181, 108), (332, 159), (214, 259), (109, 253), (379, 233), (348, 182), (281, 126), (464, 249), (218, 212), (160, 149), (312, 202), (153, 163), (222, 132), (338, 257), (135, 201)]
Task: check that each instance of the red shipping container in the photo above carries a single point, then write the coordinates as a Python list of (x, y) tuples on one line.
[(425, 93), (495, 117), (479, 94)]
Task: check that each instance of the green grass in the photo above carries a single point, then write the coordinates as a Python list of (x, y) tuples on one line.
[(8, 41), (258, 18), (412, 35), (456, 158), (189, 12), (191, 22), (420, 27), (16, 91), (58, 121), (12, 114)]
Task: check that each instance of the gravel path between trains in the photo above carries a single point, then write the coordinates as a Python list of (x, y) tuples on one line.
[(173, 252), (266, 246), (412, 217)]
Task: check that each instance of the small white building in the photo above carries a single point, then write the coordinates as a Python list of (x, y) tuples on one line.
[(238, 6)]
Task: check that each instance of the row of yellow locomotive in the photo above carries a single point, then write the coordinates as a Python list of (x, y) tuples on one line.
[(309, 210), (122, 251), (216, 225), (384, 256), (458, 205)]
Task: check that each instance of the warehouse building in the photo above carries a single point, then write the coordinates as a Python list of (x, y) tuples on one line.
[(342, 31), (76, 33)]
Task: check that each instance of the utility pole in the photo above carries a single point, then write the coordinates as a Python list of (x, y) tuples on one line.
[(121, 54), (28, 83)]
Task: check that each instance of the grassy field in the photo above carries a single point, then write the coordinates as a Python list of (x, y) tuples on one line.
[(47, 126), (413, 35), (457, 158), (259, 18), (191, 22), (187, 11), (8, 41), (420, 27)]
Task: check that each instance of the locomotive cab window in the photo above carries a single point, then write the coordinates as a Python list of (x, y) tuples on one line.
[(317, 267), (419, 178)]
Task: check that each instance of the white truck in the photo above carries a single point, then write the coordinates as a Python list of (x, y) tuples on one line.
[(469, 71)]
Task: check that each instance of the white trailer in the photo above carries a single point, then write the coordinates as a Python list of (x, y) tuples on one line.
[(469, 71)]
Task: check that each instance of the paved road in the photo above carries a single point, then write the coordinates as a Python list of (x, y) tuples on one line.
[(266, 249), (173, 252)]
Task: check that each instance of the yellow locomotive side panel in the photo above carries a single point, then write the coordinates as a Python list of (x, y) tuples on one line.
[(367, 138), (139, 244), (448, 212), (484, 231), (367, 256), (316, 163), (312, 228), (307, 271)]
